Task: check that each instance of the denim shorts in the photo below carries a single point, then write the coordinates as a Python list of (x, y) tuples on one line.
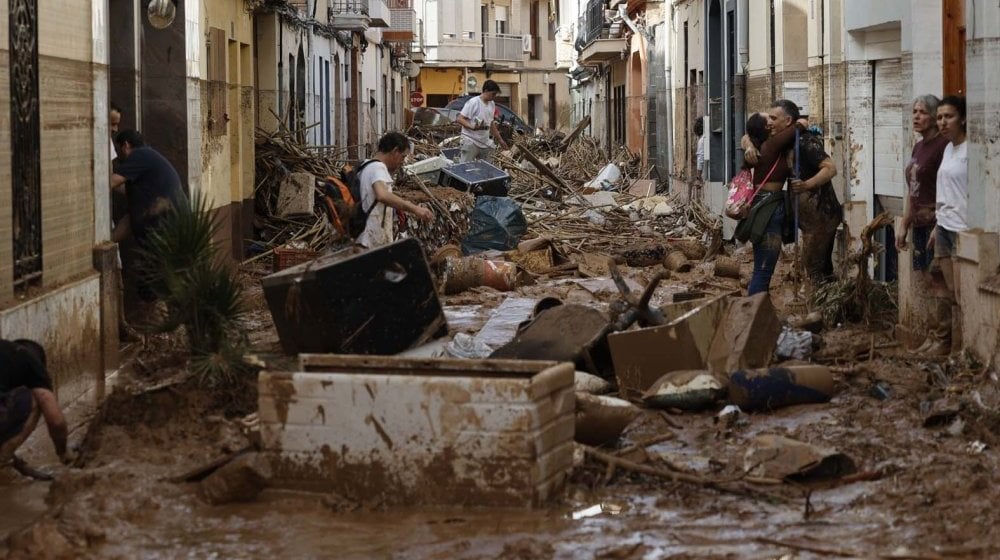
[(922, 256), (945, 243)]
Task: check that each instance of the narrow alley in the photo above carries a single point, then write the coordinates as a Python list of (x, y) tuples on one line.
[(513, 279)]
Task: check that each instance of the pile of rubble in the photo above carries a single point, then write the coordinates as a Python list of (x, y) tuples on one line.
[(569, 191)]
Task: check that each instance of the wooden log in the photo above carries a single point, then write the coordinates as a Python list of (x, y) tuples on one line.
[(676, 261), (726, 267), (584, 123), (543, 169)]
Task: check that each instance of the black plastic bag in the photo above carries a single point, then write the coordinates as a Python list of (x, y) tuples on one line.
[(497, 223)]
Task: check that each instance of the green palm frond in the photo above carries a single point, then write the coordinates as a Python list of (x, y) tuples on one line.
[(184, 268)]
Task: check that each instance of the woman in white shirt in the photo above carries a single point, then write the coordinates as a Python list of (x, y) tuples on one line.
[(951, 208)]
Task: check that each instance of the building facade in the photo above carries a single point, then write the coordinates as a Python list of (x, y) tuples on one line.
[(512, 42), (620, 75), (333, 69), (54, 186), (854, 68)]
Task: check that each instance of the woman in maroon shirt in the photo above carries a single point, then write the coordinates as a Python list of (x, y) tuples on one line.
[(921, 181)]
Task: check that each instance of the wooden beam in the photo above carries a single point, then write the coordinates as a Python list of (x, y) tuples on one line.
[(584, 123), (543, 169)]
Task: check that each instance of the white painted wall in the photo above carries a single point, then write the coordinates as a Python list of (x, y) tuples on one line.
[(865, 14)]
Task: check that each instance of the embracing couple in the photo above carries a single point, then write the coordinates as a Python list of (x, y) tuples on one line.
[(770, 150)]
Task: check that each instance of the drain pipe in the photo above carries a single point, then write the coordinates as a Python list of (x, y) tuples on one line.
[(740, 79), (668, 76), (774, 55)]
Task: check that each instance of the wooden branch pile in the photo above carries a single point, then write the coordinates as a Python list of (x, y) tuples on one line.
[(573, 222), (452, 216), (859, 299), (277, 156)]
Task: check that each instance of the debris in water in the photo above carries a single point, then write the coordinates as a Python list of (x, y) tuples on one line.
[(598, 509), (686, 390)]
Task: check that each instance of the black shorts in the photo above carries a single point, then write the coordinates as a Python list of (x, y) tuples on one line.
[(15, 409)]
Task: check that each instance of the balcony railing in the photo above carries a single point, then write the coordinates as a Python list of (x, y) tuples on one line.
[(349, 15), (592, 22), (503, 47), (358, 15), (346, 7)]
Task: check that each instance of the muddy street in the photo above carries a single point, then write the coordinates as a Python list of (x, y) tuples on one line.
[(918, 492)]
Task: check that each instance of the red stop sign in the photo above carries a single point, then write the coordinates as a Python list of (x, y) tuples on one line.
[(416, 98)]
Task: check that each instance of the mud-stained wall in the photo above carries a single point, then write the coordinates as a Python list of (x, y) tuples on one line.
[(225, 104), (688, 85), (66, 321)]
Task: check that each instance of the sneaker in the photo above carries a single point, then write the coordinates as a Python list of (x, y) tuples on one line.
[(937, 348), (922, 348)]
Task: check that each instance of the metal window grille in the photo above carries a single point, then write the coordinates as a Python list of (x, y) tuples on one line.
[(25, 127)]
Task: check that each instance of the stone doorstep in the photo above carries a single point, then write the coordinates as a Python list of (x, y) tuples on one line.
[(496, 481), (457, 389), (302, 473), (312, 464)]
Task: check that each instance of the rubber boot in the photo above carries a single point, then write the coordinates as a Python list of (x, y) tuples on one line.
[(939, 340), (956, 328)]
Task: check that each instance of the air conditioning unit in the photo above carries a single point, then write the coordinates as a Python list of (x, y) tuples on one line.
[(526, 41)]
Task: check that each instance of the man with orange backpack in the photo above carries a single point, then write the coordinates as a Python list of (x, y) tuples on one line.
[(361, 207)]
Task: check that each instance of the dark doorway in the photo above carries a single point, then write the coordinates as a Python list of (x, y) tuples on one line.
[(300, 91), (124, 82), (553, 122)]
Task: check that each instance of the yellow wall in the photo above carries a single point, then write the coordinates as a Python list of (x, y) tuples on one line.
[(227, 157), (443, 81)]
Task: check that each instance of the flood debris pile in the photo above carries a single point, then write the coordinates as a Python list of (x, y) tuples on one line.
[(288, 207)]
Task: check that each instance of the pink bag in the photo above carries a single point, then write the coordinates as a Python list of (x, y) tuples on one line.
[(742, 191)]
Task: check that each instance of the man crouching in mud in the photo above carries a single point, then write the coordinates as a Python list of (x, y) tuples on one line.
[(25, 394)]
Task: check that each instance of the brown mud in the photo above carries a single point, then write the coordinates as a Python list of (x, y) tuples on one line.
[(926, 493)]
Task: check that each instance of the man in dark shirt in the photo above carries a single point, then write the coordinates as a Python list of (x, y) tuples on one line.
[(25, 394), (152, 185), (152, 188), (820, 212)]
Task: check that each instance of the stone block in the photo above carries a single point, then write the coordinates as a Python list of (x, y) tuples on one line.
[(295, 195), (420, 431), (747, 335)]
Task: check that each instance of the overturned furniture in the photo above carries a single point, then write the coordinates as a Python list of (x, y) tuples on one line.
[(420, 431), (381, 301)]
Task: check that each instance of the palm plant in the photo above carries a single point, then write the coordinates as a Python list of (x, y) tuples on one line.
[(183, 267)]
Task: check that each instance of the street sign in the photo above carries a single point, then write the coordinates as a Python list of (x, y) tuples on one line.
[(471, 83), (416, 99)]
